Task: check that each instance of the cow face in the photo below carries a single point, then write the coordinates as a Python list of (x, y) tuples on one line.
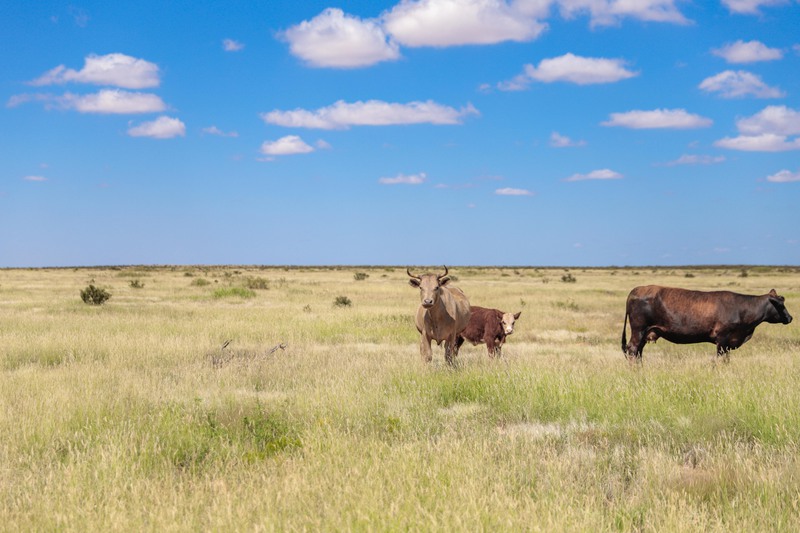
[(776, 311), (430, 287), (508, 322)]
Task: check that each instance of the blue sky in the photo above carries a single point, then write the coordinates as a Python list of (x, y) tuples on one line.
[(414, 132)]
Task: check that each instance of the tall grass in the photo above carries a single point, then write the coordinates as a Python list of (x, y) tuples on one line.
[(117, 417)]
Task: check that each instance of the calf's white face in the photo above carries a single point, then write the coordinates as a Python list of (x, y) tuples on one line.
[(508, 322)]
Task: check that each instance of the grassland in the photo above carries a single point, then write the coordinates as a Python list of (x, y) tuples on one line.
[(130, 416)]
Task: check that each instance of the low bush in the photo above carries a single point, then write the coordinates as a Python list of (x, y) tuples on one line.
[(342, 301), (92, 295), (233, 292)]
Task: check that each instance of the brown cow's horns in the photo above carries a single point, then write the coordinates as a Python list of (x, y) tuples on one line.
[(445, 273), (411, 275)]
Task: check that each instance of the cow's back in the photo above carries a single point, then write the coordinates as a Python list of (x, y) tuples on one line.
[(683, 312)]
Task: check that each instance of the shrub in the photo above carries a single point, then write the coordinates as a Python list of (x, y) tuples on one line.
[(233, 292), (257, 283), (743, 273), (137, 284), (94, 296), (342, 301), (568, 278), (688, 275), (360, 276), (200, 282)]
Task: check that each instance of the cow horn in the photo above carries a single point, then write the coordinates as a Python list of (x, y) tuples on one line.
[(411, 275), (445, 273)]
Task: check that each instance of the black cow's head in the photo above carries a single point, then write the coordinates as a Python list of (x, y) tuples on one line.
[(430, 286), (776, 311)]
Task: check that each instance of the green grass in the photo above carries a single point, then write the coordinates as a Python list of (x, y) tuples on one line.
[(131, 415)]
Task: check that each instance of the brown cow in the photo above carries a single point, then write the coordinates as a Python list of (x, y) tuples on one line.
[(489, 326), (443, 313), (682, 316)]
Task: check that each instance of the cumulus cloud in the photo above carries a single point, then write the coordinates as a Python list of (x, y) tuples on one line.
[(509, 191), (611, 12), (106, 101), (335, 39), (765, 142), (784, 176), (413, 179), (230, 45), (580, 70), (343, 115), (780, 120), (289, 145), (738, 84), (160, 128), (602, 174), (118, 70), (442, 23), (773, 129), (112, 101), (658, 118), (213, 130), (747, 52), (750, 7), (561, 141), (693, 159)]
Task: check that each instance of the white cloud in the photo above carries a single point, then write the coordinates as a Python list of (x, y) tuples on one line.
[(106, 101), (413, 179), (784, 176), (561, 141), (323, 144), (160, 128), (738, 84), (460, 22), (35, 178), (509, 191), (334, 39), (658, 118), (694, 159), (343, 115), (610, 12), (230, 45), (750, 7), (602, 174), (291, 144), (118, 70), (765, 142), (213, 130), (769, 130), (580, 70), (112, 101), (780, 120), (748, 52)]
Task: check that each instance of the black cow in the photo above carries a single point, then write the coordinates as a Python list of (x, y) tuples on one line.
[(682, 316)]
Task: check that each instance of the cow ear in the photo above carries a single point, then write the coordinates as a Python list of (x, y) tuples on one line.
[(773, 294), (516, 316), (444, 281), (414, 283)]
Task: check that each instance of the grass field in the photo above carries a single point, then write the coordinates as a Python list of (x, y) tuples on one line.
[(130, 416)]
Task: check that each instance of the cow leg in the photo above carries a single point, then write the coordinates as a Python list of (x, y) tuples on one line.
[(425, 348), (724, 352), (635, 346), (459, 342), (448, 351), (490, 347)]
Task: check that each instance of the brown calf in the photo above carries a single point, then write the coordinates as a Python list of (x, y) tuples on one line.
[(490, 327)]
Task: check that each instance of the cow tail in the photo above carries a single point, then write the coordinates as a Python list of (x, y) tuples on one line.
[(624, 336)]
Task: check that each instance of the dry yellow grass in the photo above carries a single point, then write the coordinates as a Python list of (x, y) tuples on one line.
[(130, 416)]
